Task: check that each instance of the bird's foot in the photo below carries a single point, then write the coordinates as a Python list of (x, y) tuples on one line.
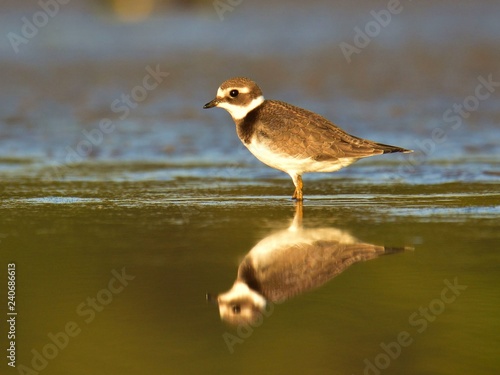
[(297, 195)]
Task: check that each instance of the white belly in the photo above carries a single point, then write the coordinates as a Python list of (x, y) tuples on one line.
[(294, 165)]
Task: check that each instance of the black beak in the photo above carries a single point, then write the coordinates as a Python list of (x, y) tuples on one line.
[(211, 104)]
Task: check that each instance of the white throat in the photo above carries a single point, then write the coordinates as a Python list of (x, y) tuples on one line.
[(238, 112), (241, 290)]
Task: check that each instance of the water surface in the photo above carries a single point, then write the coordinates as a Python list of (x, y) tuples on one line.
[(119, 242)]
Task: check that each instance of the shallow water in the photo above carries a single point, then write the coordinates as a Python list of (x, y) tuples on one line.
[(67, 242), (117, 243)]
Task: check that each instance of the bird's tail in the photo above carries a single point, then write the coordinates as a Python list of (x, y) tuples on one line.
[(394, 250), (388, 149)]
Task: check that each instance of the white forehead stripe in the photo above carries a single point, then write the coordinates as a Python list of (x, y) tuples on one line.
[(237, 111)]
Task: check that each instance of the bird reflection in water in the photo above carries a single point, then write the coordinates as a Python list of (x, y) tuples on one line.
[(290, 262)]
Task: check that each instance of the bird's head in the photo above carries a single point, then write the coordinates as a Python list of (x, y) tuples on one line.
[(238, 96), (240, 305)]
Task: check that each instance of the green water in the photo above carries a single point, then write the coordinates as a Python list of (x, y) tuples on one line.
[(118, 232), (171, 245)]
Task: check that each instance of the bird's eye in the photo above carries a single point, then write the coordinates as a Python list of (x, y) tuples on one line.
[(234, 93), (236, 309)]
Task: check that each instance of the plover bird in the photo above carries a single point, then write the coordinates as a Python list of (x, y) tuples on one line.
[(289, 138), (288, 263)]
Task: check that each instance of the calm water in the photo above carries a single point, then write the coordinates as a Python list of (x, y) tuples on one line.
[(121, 217)]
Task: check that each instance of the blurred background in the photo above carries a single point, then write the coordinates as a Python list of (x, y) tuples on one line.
[(63, 77), (107, 160)]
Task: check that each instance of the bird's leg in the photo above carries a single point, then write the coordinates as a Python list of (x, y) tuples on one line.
[(297, 217), (297, 181)]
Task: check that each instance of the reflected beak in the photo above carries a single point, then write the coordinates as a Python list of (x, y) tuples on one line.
[(211, 104), (210, 297)]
